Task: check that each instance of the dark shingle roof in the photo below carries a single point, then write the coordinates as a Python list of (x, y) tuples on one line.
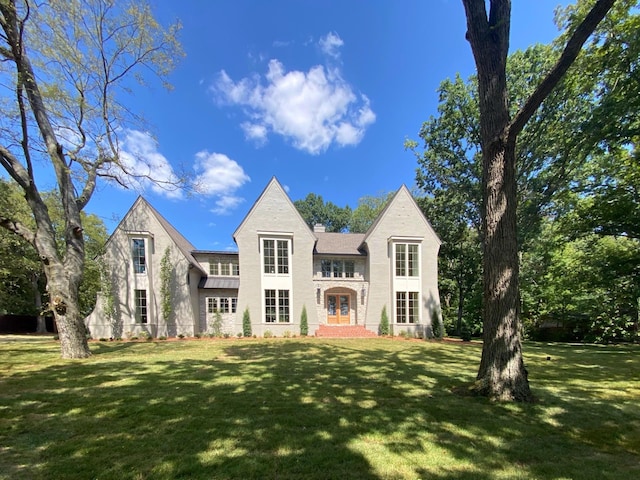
[(339, 243)]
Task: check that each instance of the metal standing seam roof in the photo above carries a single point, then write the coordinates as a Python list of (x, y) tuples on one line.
[(230, 283), (339, 244)]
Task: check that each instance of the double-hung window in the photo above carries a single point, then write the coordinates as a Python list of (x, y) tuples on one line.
[(139, 255)]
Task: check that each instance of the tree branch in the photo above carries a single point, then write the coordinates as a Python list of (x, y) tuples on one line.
[(570, 53)]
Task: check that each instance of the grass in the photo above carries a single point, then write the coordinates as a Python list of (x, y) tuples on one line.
[(313, 409)]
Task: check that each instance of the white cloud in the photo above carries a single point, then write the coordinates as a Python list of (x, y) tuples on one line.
[(330, 45), (219, 176), (311, 109), (143, 166)]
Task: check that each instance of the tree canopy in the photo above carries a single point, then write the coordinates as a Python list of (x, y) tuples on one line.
[(67, 67)]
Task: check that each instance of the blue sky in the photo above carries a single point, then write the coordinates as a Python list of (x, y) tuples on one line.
[(321, 95)]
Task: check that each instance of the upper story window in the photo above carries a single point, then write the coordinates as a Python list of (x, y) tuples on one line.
[(275, 254), (223, 267), (337, 268), (407, 260), (139, 255)]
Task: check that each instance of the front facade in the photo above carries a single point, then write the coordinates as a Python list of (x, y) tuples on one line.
[(281, 268)]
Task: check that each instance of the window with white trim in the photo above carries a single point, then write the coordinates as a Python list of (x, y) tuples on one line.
[(407, 257), (407, 307), (222, 304), (276, 306), (275, 254), (224, 268), (139, 255), (141, 306)]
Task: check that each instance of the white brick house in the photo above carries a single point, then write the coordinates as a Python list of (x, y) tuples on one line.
[(281, 267)]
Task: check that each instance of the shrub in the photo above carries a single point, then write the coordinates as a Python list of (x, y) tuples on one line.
[(465, 333), (181, 336), (286, 334), (216, 325), (162, 337), (246, 323), (437, 328), (267, 334), (304, 323), (383, 328), (239, 334), (198, 335)]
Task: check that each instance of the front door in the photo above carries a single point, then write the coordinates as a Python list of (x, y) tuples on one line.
[(338, 308)]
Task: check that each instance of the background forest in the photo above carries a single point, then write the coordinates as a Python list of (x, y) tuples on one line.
[(578, 194)]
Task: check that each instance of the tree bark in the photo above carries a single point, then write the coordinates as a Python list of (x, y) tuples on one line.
[(502, 374)]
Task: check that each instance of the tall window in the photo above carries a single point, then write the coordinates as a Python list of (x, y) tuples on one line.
[(141, 306), (337, 268), (212, 305), (270, 306), (325, 266), (276, 306), (225, 269), (349, 268), (214, 268), (139, 256), (283, 306), (276, 256), (269, 253), (407, 307), (283, 256), (407, 260), (235, 269)]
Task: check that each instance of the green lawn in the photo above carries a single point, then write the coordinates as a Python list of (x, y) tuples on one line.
[(311, 409)]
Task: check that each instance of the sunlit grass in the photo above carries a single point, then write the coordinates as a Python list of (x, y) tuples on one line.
[(311, 408)]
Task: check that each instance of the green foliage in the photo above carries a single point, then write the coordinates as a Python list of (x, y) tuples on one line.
[(267, 334), (166, 280), (216, 325), (581, 290), (367, 211), (106, 289), (304, 322), (315, 211), (246, 323), (383, 328), (437, 328)]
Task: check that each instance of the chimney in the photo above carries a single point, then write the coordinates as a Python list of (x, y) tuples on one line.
[(319, 228)]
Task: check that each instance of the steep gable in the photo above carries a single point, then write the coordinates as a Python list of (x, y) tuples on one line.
[(142, 207), (391, 208), (275, 210)]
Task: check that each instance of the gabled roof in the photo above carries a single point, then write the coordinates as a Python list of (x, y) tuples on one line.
[(403, 190), (184, 245), (330, 243), (273, 184)]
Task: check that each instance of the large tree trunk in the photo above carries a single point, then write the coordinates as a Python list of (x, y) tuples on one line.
[(63, 284), (502, 374)]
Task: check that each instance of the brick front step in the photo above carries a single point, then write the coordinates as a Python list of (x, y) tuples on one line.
[(344, 331)]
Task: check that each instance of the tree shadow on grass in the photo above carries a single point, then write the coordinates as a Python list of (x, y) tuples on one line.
[(282, 409)]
